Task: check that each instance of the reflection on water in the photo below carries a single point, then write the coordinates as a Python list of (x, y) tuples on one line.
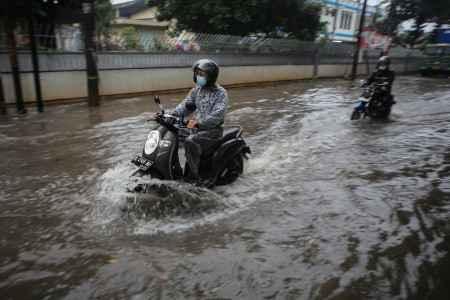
[(327, 208)]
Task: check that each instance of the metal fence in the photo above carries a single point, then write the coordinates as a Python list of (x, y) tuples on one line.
[(183, 50), (194, 42), (55, 61), (69, 39)]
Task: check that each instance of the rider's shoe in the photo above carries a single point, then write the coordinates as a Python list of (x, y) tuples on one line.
[(206, 183)]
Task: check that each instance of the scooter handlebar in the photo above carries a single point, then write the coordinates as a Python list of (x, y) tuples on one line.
[(167, 118), (170, 119)]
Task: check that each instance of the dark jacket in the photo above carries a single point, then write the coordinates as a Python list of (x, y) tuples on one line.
[(381, 76)]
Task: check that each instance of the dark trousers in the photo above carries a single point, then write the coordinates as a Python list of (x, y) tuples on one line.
[(197, 144)]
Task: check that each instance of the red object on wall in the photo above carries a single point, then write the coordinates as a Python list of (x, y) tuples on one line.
[(370, 39)]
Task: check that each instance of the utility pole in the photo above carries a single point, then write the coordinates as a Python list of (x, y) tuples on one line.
[(358, 42), (35, 61), (88, 7)]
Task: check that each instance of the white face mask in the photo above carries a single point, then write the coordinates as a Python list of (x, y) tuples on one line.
[(382, 68)]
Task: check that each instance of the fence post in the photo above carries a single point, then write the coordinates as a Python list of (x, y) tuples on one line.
[(316, 60), (2, 98), (407, 57), (35, 61), (12, 51)]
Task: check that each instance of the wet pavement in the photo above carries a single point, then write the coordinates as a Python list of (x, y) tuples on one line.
[(328, 208)]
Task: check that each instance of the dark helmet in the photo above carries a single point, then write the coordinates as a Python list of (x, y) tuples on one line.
[(209, 67), (384, 61)]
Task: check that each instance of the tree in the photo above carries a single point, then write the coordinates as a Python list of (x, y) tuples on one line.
[(104, 14), (421, 11), (51, 13), (130, 38), (298, 18)]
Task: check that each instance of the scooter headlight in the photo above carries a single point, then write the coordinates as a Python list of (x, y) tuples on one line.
[(152, 142)]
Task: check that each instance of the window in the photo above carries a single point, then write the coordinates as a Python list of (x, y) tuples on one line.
[(346, 20)]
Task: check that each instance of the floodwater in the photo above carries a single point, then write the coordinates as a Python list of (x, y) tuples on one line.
[(328, 208)]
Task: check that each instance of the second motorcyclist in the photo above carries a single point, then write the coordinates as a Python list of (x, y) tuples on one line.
[(383, 74)]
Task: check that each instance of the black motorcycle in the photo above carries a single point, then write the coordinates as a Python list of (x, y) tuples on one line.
[(375, 102), (160, 158)]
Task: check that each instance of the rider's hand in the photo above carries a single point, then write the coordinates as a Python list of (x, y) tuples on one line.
[(192, 124)]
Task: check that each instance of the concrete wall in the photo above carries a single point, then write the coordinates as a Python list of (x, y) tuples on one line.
[(147, 80), (333, 71), (399, 68), (65, 85), (55, 85), (248, 74)]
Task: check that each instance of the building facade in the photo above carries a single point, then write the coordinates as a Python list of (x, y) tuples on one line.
[(138, 15), (342, 19)]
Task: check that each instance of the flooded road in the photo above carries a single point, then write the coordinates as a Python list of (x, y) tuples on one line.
[(328, 208)]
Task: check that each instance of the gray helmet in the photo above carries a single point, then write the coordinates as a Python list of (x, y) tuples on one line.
[(384, 61), (209, 67)]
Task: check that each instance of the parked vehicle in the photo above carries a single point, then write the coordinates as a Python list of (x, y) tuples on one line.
[(438, 60)]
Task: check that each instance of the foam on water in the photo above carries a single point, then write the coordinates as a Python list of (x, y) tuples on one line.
[(112, 198), (111, 195)]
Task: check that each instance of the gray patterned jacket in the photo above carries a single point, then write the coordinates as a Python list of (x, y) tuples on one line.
[(210, 103)]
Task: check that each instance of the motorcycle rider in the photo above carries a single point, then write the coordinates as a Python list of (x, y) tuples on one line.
[(208, 101), (383, 74)]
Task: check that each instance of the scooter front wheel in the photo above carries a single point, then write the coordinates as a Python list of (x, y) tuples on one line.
[(356, 115), (138, 173)]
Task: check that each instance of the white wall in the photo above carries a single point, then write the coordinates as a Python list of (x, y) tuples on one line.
[(72, 84), (146, 80)]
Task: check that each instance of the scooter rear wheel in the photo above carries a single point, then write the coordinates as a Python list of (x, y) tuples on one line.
[(231, 171)]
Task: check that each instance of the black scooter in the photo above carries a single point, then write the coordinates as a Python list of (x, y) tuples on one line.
[(160, 159), (375, 102)]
